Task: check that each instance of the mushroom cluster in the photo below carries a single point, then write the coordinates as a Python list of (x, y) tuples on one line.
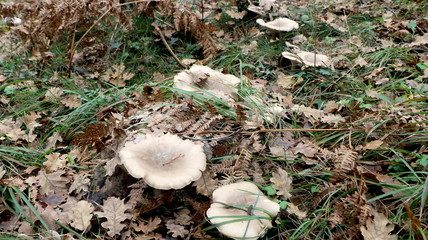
[(241, 211), (165, 161)]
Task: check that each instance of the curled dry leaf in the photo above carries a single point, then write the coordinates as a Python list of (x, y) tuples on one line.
[(114, 210), (80, 183), (81, 215), (378, 228), (71, 101), (282, 182)]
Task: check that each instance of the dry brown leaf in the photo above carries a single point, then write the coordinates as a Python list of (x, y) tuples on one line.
[(55, 161), (176, 230), (53, 183), (306, 149), (12, 129), (81, 215), (370, 145), (152, 225), (80, 183), (183, 217), (282, 183), (52, 140), (206, 184), (236, 15), (378, 228), (48, 214), (53, 93), (114, 210), (293, 209), (117, 75), (71, 101)]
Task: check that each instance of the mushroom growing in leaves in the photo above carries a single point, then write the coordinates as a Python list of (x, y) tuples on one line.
[(165, 161), (241, 211), (279, 24), (308, 58)]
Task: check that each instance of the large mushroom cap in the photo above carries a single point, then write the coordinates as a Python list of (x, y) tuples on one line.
[(207, 79), (241, 211), (308, 58), (164, 162), (279, 24)]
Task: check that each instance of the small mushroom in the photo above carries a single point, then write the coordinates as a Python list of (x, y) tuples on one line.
[(164, 162), (308, 58), (241, 211), (279, 24)]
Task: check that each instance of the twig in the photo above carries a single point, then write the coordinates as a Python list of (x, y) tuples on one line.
[(167, 45), (271, 130)]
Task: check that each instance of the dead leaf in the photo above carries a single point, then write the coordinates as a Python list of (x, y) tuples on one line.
[(71, 101), (54, 162), (52, 183), (114, 210), (206, 184), (372, 145), (282, 183), (182, 217), (2, 172), (176, 230), (152, 225), (293, 209), (81, 215), (306, 149), (53, 93), (80, 183), (378, 228)]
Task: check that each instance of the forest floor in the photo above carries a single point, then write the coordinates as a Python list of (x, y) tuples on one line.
[(339, 145)]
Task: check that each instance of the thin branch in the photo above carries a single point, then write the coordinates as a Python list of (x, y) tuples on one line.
[(167, 46), (271, 130)]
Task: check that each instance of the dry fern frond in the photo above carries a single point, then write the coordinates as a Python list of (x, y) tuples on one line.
[(345, 161), (188, 22)]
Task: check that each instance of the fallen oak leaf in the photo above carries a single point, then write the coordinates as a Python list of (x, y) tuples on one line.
[(152, 225), (114, 210), (176, 230), (81, 215), (378, 228)]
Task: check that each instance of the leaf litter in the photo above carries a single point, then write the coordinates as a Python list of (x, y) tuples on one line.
[(78, 182)]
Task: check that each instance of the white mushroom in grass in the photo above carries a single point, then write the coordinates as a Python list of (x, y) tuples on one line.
[(279, 24), (308, 58), (241, 211), (164, 162)]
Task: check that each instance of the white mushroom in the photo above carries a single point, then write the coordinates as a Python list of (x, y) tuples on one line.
[(164, 162), (279, 24), (241, 211), (204, 78), (308, 58)]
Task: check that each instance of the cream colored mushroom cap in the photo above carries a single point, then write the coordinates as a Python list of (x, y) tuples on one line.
[(243, 195), (308, 58), (207, 79), (279, 24), (164, 162)]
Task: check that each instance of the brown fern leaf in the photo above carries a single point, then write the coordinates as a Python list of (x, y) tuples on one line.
[(240, 113), (226, 167), (204, 122), (345, 161), (188, 22)]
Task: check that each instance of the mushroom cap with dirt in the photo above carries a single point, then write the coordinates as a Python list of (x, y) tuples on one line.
[(241, 211), (279, 24), (165, 161), (308, 58)]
